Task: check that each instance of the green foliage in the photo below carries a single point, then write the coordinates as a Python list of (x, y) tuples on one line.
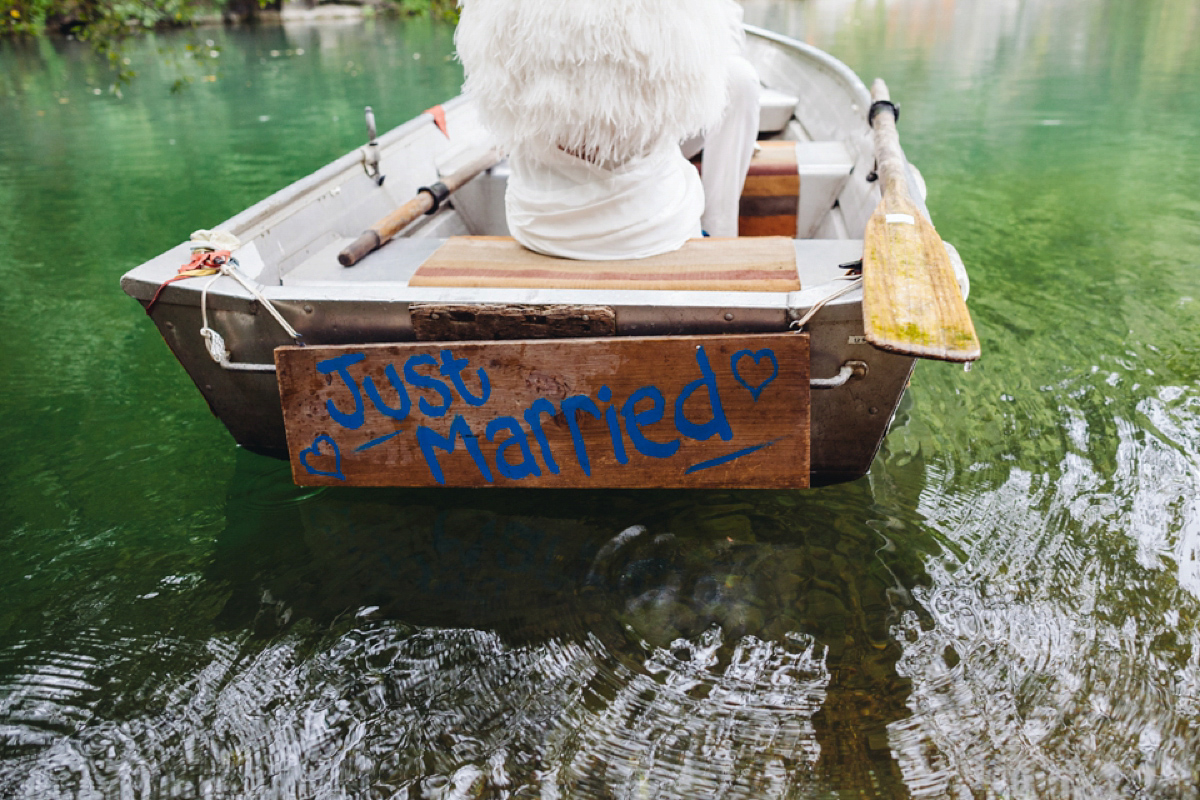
[(444, 9), (23, 16), (108, 17), (106, 24)]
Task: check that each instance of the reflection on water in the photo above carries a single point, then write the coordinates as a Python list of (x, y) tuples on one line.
[(461, 644), (1006, 606), (548, 646), (1065, 633)]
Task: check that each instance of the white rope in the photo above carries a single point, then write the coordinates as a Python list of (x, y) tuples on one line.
[(216, 343), (854, 281), (228, 269)]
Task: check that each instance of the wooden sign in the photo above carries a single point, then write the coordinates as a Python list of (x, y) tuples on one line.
[(635, 412)]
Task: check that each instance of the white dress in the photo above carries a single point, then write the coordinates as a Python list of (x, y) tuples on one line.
[(562, 205)]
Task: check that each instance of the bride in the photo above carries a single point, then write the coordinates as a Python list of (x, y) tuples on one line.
[(591, 99)]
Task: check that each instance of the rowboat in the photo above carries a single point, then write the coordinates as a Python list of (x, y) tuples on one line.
[(751, 359)]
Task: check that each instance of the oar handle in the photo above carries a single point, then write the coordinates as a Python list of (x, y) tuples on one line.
[(428, 200), (889, 158)]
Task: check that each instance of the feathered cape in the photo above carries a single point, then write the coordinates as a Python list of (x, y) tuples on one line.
[(602, 79)]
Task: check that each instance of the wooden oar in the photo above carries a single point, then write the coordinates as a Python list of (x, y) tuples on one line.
[(428, 199), (911, 300)]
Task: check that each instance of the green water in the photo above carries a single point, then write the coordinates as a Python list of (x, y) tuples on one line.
[(1005, 607)]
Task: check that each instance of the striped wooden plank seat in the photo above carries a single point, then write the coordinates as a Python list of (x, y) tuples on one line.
[(750, 265), (790, 187), (771, 194)]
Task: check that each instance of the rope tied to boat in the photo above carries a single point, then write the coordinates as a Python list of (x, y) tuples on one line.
[(216, 343), (852, 282), (206, 261), (203, 262)]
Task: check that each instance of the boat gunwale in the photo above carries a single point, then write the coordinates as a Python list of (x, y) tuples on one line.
[(226, 293), (314, 184), (858, 89)]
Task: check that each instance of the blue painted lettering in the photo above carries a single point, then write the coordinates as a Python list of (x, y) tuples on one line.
[(725, 459), (428, 440), (634, 420), (570, 407), (452, 368), (527, 466), (378, 440), (533, 418), (699, 415), (614, 427), (355, 418), (427, 382), (401, 392), (719, 424)]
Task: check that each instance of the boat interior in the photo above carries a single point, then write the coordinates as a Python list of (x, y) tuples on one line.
[(773, 204), (810, 182)]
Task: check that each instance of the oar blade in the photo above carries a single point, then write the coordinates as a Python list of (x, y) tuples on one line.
[(911, 299)]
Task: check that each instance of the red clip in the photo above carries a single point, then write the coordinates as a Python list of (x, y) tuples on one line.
[(206, 259), (439, 118), (202, 263)]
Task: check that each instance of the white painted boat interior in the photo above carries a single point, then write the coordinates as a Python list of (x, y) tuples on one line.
[(478, 209), (298, 233)]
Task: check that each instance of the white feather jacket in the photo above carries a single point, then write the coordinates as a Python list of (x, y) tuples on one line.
[(605, 80)]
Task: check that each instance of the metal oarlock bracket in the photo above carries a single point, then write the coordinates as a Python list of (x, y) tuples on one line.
[(851, 369), (439, 192), (879, 105), (371, 152)]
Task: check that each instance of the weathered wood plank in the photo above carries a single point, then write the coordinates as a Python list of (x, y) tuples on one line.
[(634, 412), (751, 265), (775, 151), (458, 322)]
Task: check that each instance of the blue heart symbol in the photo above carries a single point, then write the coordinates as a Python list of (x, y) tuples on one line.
[(755, 391), (315, 450)]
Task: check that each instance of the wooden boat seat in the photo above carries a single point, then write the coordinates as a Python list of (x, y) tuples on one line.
[(791, 186), (752, 265)]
